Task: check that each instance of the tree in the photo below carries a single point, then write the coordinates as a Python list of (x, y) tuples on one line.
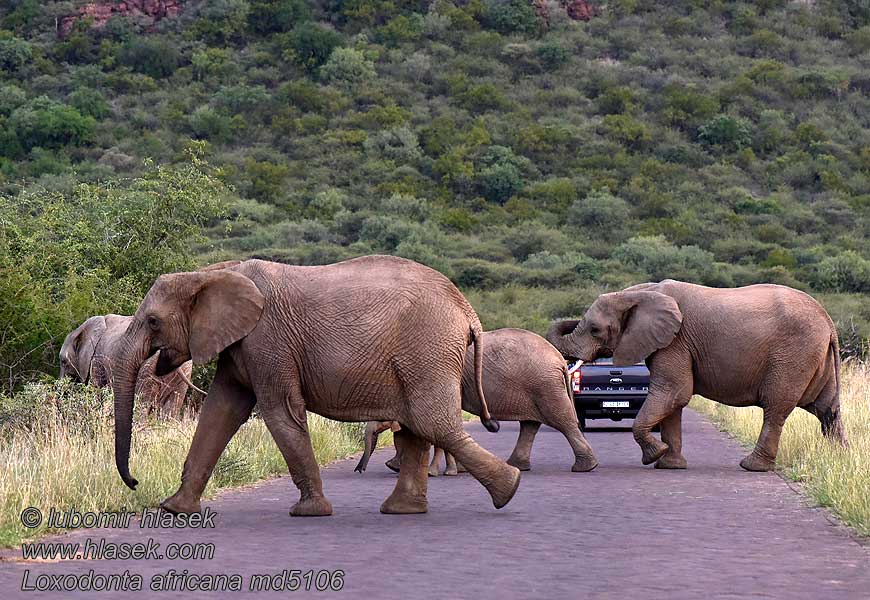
[(273, 16), (347, 66), (727, 132), (49, 124), (312, 44)]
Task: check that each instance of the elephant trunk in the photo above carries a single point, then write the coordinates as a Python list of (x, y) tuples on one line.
[(561, 335), (124, 385), (371, 442)]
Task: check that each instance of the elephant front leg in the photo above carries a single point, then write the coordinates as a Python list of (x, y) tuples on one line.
[(665, 396), (521, 456), (287, 421), (409, 495), (227, 406), (763, 457), (672, 435)]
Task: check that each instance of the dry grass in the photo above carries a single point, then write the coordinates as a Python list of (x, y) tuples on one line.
[(60, 453), (835, 477)]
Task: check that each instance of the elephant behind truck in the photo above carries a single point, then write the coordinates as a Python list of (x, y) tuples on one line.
[(760, 345), (86, 357), (526, 380), (345, 341)]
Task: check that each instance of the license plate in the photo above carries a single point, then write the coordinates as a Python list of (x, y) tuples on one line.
[(615, 404)]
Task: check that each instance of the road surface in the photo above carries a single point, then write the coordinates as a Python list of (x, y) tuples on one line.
[(624, 530)]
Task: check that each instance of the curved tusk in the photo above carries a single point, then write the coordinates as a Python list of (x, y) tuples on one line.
[(189, 383)]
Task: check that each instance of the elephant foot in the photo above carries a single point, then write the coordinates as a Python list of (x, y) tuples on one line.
[(451, 471), (502, 492), (583, 464), (393, 464), (433, 472), (178, 503), (523, 464), (404, 505), (753, 462), (315, 506), (669, 461), (653, 451)]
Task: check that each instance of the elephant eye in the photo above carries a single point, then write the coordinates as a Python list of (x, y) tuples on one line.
[(594, 330), (153, 322)]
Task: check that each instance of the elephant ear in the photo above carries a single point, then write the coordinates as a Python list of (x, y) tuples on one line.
[(85, 341), (225, 307), (221, 265), (650, 321)]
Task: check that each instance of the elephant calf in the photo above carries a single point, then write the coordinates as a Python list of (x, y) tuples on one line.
[(86, 356), (526, 380), (760, 345)]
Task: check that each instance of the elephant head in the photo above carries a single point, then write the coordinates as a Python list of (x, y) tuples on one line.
[(79, 348), (628, 325), (184, 316)]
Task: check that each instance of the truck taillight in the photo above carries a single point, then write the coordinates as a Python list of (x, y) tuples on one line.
[(576, 376)]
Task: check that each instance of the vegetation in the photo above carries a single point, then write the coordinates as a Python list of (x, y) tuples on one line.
[(535, 160), (835, 477), (57, 448)]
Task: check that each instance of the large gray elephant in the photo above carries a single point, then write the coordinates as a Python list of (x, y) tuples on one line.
[(86, 357), (373, 338), (761, 345), (525, 379)]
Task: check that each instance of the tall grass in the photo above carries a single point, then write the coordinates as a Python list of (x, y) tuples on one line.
[(57, 450), (834, 477)]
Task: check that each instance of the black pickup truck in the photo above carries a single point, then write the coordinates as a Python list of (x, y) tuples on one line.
[(605, 391)]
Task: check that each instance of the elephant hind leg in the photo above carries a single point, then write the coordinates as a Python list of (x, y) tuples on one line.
[(452, 468), (435, 465), (409, 495), (672, 435), (584, 457), (763, 456), (521, 456)]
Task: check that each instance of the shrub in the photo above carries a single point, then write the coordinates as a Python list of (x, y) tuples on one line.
[(512, 16), (312, 44), (847, 272), (90, 102), (659, 259), (627, 131), (727, 132), (14, 52), (552, 55), (11, 97), (272, 16), (348, 67), (599, 213), (49, 124), (154, 57)]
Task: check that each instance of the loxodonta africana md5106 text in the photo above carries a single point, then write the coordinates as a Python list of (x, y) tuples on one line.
[(86, 357), (525, 379), (761, 345), (373, 338)]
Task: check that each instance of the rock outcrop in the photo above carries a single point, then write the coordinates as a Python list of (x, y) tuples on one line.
[(149, 11)]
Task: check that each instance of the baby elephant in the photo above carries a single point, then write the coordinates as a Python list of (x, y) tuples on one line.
[(525, 379)]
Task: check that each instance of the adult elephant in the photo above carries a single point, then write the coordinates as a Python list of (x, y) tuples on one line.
[(760, 345), (373, 338), (86, 357), (525, 379)]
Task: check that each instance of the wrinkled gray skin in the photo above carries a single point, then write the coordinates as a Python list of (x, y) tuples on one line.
[(761, 345), (85, 357), (373, 338), (525, 379)]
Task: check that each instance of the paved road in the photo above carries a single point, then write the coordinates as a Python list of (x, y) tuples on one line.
[(713, 531)]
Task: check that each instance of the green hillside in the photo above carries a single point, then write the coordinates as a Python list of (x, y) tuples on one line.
[(535, 159)]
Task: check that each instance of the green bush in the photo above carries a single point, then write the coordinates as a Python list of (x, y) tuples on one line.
[(154, 57), (49, 124), (512, 16), (273, 16), (658, 259), (312, 44), (348, 67), (727, 132), (847, 272)]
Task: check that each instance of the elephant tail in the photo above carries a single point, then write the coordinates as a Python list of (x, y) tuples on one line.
[(477, 339), (828, 402)]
